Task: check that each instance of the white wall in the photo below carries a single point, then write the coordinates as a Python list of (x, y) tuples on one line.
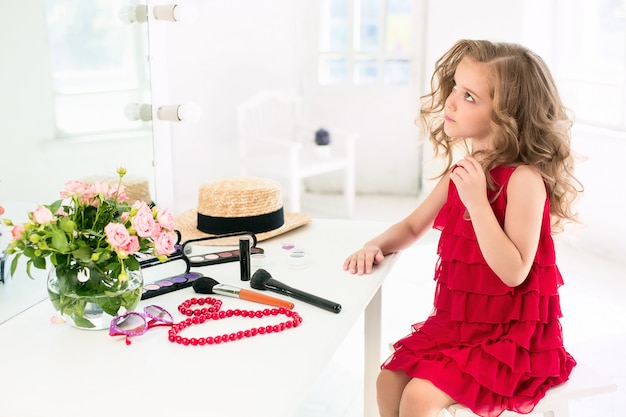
[(226, 56)]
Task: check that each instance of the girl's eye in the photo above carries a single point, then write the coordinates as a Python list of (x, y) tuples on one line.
[(469, 97)]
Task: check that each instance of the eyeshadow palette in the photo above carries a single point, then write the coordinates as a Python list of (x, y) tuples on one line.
[(220, 257), (166, 285)]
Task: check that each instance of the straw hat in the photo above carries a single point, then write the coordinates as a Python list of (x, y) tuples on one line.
[(238, 204)]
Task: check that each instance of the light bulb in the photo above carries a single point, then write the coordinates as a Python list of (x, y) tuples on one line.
[(132, 14), (175, 13), (189, 112), (136, 111)]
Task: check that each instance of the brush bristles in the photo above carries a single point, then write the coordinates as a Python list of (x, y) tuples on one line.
[(259, 278), (204, 285)]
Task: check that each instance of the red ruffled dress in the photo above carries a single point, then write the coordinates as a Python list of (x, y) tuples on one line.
[(489, 346)]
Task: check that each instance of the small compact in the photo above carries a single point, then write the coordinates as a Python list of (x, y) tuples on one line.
[(224, 255), (219, 257), (166, 285)]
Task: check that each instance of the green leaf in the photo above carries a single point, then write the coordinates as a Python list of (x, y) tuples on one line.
[(83, 253), (54, 207), (131, 263), (39, 262), (14, 263), (59, 241)]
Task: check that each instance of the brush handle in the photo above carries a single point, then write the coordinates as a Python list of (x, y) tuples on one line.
[(264, 299)]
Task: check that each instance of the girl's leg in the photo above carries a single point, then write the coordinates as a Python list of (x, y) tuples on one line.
[(389, 388), (420, 398)]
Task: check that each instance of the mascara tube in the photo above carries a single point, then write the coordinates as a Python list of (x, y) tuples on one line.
[(244, 259)]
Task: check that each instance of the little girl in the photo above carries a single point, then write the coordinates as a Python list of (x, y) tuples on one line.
[(493, 341)]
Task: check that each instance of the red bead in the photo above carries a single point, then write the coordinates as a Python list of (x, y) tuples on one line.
[(229, 313), (266, 312), (224, 338), (289, 324), (274, 311), (179, 339), (253, 332), (276, 328), (201, 301), (268, 329), (258, 313), (239, 334), (202, 341), (261, 330), (193, 341), (221, 314), (237, 312), (232, 336), (247, 333), (209, 340)]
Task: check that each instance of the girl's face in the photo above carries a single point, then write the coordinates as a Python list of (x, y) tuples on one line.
[(469, 105)]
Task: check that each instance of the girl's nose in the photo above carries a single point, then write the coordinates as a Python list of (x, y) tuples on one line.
[(449, 103)]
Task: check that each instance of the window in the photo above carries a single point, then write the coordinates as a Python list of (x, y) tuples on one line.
[(365, 42), (591, 60), (99, 66)]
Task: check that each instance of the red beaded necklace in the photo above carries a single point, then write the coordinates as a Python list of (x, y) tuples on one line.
[(212, 312)]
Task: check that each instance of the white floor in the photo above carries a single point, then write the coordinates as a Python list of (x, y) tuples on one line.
[(592, 300)]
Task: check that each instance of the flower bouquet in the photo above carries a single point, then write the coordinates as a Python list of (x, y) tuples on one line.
[(93, 238)]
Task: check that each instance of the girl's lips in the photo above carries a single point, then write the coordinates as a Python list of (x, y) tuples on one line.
[(448, 119)]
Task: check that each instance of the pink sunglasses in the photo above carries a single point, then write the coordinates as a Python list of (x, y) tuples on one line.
[(133, 323)]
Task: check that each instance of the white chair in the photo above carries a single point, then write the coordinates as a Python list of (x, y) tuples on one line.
[(273, 142)]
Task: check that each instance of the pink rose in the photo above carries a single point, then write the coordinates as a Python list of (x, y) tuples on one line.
[(130, 248), (117, 235), (73, 188), (165, 218), (42, 215), (143, 222), (119, 193), (164, 243), (100, 188), (17, 231)]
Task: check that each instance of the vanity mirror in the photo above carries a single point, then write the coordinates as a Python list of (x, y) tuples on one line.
[(69, 75), (70, 72)]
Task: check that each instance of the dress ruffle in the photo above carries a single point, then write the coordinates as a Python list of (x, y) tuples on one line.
[(489, 346)]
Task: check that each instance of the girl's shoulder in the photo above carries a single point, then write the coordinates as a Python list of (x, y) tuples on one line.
[(523, 172)]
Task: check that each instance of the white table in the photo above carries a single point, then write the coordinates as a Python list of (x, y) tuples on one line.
[(56, 370)]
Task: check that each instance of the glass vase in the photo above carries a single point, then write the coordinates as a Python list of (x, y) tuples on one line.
[(88, 299)]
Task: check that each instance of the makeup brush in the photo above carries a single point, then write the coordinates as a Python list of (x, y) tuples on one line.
[(262, 280), (207, 285)]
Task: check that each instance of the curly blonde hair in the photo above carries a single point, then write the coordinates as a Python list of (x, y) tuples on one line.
[(529, 123)]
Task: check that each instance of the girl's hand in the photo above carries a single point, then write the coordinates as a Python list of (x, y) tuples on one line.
[(362, 261), (471, 184)]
